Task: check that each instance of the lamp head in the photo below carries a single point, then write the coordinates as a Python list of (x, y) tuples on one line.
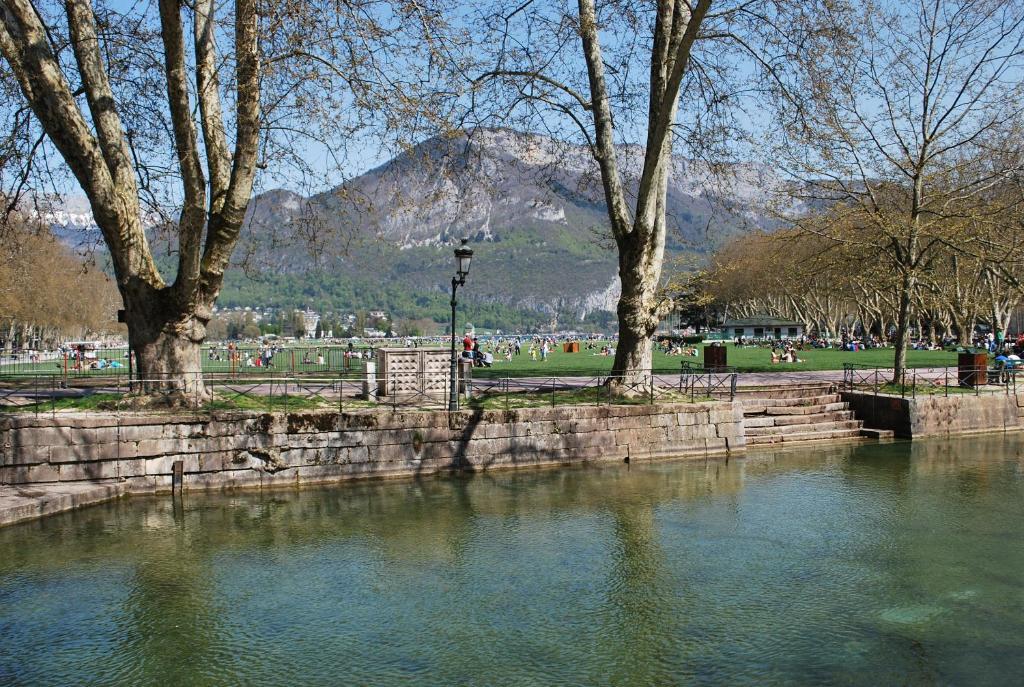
[(463, 256)]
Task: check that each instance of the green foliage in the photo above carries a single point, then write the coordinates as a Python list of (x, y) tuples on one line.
[(338, 294)]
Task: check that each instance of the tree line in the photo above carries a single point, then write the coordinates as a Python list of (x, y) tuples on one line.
[(48, 294), (844, 288)]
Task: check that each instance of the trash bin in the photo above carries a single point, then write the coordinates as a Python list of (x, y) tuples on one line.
[(571, 347), (715, 357), (972, 368)]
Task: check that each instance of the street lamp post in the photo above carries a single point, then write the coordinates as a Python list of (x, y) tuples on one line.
[(463, 256)]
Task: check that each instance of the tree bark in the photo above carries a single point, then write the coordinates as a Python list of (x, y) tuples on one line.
[(166, 340), (641, 238), (637, 321), (907, 286)]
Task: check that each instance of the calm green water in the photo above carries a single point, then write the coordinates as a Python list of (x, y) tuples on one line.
[(892, 564)]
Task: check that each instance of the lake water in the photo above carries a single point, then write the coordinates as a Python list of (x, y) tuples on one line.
[(874, 564)]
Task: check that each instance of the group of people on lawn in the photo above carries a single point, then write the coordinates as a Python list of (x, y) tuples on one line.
[(786, 353)]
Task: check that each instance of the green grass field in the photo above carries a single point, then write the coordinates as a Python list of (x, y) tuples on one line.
[(744, 359), (558, 364), (287, 361)]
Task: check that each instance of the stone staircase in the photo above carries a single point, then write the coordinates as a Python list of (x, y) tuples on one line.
[(792, 413)]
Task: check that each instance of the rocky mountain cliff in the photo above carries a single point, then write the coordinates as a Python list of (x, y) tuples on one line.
[(531, 206)]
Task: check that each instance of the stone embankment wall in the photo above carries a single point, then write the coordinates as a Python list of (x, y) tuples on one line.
[(258, 449), (936, 415)]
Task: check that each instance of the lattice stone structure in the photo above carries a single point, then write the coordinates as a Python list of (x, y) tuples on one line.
[(413, 373)]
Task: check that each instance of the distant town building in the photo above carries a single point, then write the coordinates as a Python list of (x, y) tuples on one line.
[(763, 328)]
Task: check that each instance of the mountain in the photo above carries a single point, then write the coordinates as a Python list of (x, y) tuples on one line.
[(531, 206)]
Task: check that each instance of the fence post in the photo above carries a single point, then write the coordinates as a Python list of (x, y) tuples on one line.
[(552, 392)]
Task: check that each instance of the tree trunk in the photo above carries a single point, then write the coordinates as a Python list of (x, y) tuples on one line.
[(903, 327), (166, 341), (637, 314)]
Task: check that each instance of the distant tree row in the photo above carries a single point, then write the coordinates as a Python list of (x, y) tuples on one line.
[(831, 287), (47, 294)]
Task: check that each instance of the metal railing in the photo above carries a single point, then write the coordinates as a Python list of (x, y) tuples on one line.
[(709, 382), (351, 391), (914, 382), (239, 360)]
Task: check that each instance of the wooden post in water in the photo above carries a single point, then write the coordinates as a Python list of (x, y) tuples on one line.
[(177, 477)]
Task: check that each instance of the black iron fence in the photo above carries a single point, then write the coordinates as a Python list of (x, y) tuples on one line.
[(351, 391), (945, 381), (215, 360)]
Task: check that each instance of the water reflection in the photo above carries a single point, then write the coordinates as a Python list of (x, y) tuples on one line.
[(841, 564)]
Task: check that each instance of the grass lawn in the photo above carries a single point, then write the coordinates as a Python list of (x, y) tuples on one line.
[(559, 364), (759, 359), (585, 363), (285, 362)]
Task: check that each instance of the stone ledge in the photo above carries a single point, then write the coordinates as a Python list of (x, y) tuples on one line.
[(21, 503), (224, 450)]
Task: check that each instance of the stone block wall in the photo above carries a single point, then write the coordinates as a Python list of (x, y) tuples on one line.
[(255, 449), (936, 415)]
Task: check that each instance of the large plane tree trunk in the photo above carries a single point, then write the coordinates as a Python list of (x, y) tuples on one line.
[(639, 232), (166, 323), (166, 341), (638, 316)]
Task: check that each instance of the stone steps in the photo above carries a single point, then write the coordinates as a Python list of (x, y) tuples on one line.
[(794, 409), (798, 413), (814, 428), (757, 401), (806, 410), (804, 436), (782, 420), (782, 391)]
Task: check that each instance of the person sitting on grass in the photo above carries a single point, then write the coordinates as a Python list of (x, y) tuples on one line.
[(775, 357)]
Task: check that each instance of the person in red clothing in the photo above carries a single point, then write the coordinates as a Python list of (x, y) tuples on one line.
[(467, 346)]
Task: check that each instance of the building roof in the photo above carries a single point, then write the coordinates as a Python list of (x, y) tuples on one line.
[(762, 322)]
